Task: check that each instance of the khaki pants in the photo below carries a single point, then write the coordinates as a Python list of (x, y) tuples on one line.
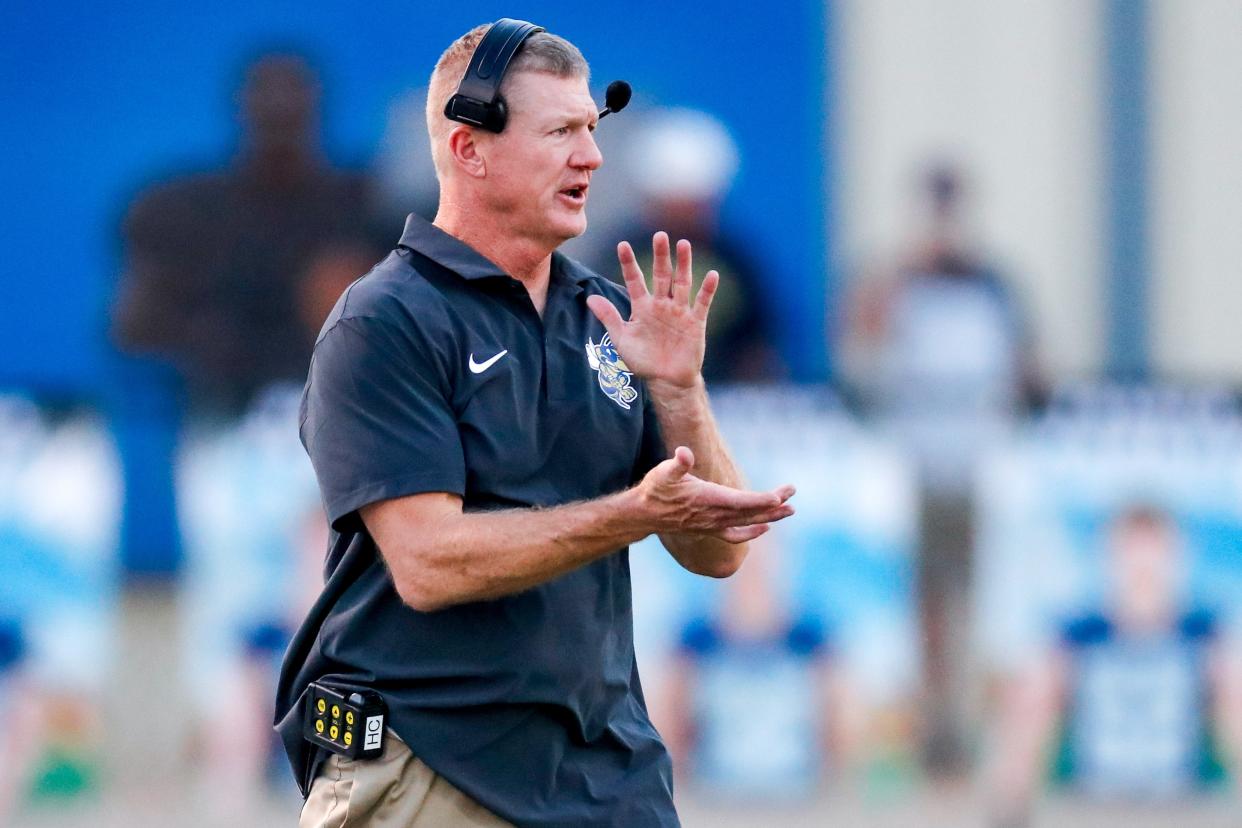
[(397, 790)]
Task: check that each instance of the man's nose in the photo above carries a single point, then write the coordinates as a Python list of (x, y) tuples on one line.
[(587, 156)]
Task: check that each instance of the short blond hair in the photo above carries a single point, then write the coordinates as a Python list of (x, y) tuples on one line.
[(541, 52)]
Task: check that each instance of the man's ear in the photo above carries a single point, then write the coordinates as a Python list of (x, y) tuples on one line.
[(464, 150)]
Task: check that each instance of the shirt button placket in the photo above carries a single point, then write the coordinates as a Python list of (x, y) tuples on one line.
[(523, 297)]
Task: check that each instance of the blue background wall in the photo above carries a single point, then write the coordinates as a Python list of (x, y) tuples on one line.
[(101, 99)]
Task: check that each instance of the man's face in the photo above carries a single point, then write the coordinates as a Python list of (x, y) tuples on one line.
[(1146, 570), (539, 168), (280, 102)]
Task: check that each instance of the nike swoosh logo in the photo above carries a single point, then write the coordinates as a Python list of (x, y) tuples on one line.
[(480, 367)]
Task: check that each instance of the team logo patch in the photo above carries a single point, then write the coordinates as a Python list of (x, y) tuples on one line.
[(614, 375)]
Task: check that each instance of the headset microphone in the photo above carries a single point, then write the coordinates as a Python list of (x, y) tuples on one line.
[(617, 96)]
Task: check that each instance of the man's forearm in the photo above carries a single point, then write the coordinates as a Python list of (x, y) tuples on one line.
[(686, 419), (439, 555), (475, 556)]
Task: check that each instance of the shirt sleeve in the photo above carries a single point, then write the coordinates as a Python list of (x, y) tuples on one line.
[(377, 419)]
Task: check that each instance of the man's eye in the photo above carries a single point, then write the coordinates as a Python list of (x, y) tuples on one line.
[(561, 131)]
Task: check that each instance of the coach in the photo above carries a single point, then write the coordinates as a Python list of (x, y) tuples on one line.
[(488, 423)]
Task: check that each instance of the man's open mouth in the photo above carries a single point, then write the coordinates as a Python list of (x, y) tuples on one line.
[(575, 194)]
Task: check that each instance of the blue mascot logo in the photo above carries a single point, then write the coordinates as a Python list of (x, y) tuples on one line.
[(614, 375)]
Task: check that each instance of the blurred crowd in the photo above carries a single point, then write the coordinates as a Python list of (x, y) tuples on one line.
[(992, 575)]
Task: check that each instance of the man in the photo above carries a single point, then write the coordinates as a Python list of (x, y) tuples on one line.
[(214, 262), (938, 350), (1143, 695), (486, 428)]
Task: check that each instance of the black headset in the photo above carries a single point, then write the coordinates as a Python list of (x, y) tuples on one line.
[(478, 100)]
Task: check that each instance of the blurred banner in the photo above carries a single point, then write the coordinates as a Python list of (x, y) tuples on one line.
[(59, 521), (1110, 563), (804, 666), (1104, 669)]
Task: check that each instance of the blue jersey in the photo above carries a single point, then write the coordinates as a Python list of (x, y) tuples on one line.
[(758, 710), (1139, 708)]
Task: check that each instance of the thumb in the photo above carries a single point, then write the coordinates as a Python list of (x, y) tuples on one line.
[(607, 313), (672, 470), (681, 463)]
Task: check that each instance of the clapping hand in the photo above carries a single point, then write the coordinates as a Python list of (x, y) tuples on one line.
[(677, 501)]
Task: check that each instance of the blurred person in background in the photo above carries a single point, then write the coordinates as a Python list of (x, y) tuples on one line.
[(750, 713), (254, 537), (937, 351), (59, 493), (20, 738), (214, 261), (228, 275), (682, 163), (1144, 695)]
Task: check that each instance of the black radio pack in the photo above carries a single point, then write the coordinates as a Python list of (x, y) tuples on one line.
[(348, 722)]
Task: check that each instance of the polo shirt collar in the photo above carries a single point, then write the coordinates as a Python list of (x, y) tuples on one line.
[(455, 255), (567, 269), (446, 250)]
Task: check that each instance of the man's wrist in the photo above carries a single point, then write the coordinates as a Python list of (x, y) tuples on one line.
[(677, 397), (638, 516)]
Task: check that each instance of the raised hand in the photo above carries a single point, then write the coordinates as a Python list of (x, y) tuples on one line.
[(663, 340)]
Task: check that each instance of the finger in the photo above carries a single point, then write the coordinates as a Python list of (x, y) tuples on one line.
[(684, 274), (774, 515), (745, 517), (661, 265), (785, 492), (703, 302), (742, 534), (738, 501), (635, 284), (607, 313)]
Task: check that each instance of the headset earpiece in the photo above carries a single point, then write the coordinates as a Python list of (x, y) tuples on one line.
[(477, 101)]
